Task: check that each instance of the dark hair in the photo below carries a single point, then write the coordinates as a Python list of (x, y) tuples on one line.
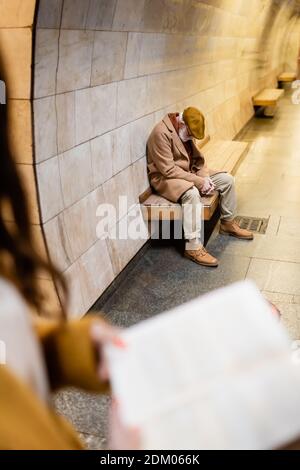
[(19, 260)]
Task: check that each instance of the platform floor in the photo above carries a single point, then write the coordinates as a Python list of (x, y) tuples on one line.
[(268, 184)]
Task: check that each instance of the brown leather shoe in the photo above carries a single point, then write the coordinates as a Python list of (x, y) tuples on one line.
[(232, 229), (202, 257)]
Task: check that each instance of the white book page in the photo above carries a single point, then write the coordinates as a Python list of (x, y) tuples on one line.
[(215, 373)]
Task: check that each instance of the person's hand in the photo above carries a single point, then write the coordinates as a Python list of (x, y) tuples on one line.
[(275, 310), (208, 186), (103, 333), (120, 436)]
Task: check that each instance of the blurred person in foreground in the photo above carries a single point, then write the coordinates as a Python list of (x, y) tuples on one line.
[(41, 355)]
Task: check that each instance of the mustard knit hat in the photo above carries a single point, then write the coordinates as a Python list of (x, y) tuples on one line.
[(195, 121)]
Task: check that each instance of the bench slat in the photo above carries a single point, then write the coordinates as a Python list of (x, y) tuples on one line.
[(217, 154), (268, 97), (225, 155), (158, 208)]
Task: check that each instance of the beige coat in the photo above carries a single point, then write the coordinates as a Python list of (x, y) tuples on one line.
[(171, 172)]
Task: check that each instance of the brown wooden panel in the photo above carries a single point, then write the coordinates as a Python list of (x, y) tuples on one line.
[(268, 97), (287, 77)]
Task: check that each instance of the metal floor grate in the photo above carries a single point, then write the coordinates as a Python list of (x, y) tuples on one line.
[(254, 224)]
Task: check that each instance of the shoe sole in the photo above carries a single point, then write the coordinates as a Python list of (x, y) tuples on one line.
[(236, 236), (206, 265)]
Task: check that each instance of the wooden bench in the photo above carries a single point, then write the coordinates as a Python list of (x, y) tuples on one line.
[(220, 154), (287, 77), (267, 100)]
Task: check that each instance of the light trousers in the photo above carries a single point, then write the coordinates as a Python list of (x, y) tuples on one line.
[(192, 208)]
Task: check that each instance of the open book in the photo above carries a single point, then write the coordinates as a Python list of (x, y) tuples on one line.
[(215, 373)]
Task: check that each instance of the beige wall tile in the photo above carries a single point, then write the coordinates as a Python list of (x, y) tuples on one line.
[(45, 128), (153, 15), (140, 177), (96, 272), (129, 15), (66, 125), (95, 111), (49, 188), (161, 113), (122, 154), (93, 14), (81, 223), (83, 116), (58, 243), (103, 108), (140, 131), (49, 14), (133, 55), (75, 14), (128, 109), (76, 173), (103, 151), (122, 250), (101, 14), (75, 59), (80, 231), (108, 57), (28, 178), (46, 59), (152, 52), (121, 185), (76, 307)]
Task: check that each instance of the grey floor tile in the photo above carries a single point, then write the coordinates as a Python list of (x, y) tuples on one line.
[(221, 244), (164, 279), (277, 249), (275, 276), (268, 247), (87, 412), (277, 297), (92, 442), (290, 227), (277, 207), (290, 311), (291, 319)]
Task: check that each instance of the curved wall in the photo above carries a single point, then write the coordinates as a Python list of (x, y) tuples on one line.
[(105, 71), (293, 45)]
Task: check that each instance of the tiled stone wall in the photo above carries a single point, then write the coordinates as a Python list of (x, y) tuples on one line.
[(105, 72), (293, 46)]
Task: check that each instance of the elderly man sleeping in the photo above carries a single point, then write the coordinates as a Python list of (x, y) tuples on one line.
[(177, 171)]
